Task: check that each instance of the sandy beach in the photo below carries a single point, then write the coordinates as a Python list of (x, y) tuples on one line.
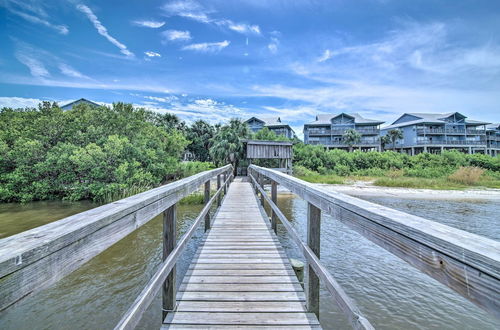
[(365, 189)]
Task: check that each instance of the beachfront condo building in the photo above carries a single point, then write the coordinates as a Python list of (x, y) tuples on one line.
[(493, 139), (435, 132), (328, 130), (273, 124)]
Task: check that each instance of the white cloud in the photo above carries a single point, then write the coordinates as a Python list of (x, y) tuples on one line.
[(18, 102), (102, 30), (36, 67), (167, 99), (327, 54), (62, 29), (176, 35), (195, 11), (149, 24), (207, 47), (70, 72), (273, 45), (152, 54)]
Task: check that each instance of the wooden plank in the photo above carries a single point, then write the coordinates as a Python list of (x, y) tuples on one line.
[(467, 263), (225, 327), (240, 272), (238, 306), (262, 278), (241, 287), (241, 296), (37, 258), (208, 318)]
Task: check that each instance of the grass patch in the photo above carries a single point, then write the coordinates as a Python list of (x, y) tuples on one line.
[(418, 183), (467, 175), (193, 199)]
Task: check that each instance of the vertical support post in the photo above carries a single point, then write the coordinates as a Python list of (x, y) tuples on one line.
[(206, 199), (262, 185), (225, 184), (218, 187), (313, 241), (169, 242), (274, 198)]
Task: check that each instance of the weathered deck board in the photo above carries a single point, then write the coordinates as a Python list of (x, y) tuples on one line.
[(240, 276)]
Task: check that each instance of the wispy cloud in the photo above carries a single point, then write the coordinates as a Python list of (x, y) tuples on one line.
[(273, 45), (327, 54), (35, 66), (152, 54), (193, 10), (176, 35), (207, 47), (102, 30), (149, 23), (69, 71), (33, 13)]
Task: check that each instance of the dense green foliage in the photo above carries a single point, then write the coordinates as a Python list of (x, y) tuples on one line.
[(200, 133), (394, 167), (86, 153)]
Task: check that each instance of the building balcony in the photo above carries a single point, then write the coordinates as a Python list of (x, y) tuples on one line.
[(451, 142), (319, 132), (341, 131), (450, 131), (368, 143)]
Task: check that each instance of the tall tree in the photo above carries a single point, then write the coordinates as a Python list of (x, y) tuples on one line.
[(351, 137), (227, 144), (267, 135), (200, 133), (395, 134)]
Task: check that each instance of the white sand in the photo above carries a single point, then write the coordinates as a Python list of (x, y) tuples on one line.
[(365, 189)]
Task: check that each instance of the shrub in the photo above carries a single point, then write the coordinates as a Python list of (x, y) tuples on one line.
[(395, 173), (467, 175)]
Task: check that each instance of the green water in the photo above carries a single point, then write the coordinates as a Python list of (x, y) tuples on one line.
[(390, 293)]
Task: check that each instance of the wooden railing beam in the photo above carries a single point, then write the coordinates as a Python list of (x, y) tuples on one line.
[(206, 200), (274, 198)]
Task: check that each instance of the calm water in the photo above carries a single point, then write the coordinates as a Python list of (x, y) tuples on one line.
[(390, 293)]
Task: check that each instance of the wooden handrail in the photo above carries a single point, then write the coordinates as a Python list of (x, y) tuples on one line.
[(142, 302), (467, 263), (348, 307), (37, 258)]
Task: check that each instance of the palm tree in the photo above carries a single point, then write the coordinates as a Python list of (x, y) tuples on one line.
[(385, 140), (227, 144), (394, 135), (351, 137)]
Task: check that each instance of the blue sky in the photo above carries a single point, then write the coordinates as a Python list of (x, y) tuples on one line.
[(220, 59)]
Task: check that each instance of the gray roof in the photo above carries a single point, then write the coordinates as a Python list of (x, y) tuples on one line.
[(430, 118), (270, 121), (325, 119), (82, 100), (492, 127)]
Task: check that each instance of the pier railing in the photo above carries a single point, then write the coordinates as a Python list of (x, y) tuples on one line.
[(467, 263), (35, 259)]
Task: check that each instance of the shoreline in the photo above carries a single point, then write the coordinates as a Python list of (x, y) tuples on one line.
[(359, 189)]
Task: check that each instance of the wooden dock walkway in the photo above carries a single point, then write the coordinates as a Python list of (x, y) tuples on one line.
[(240, 275)]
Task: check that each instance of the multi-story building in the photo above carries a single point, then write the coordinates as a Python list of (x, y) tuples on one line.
[(273, 124), (435, 132), (493, 139), (328, 130)]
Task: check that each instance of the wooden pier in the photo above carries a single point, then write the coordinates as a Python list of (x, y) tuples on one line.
[(240, 275)]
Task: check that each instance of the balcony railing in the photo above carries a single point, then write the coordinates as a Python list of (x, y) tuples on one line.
[(342, 143), (452, 142), (341, 131), (449, 131)]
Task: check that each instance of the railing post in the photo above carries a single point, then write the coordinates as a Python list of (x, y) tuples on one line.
[(262, 185), (206, 199), (313, 241), (225, 184), (169, 242), (218, 187), (274, 198)]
